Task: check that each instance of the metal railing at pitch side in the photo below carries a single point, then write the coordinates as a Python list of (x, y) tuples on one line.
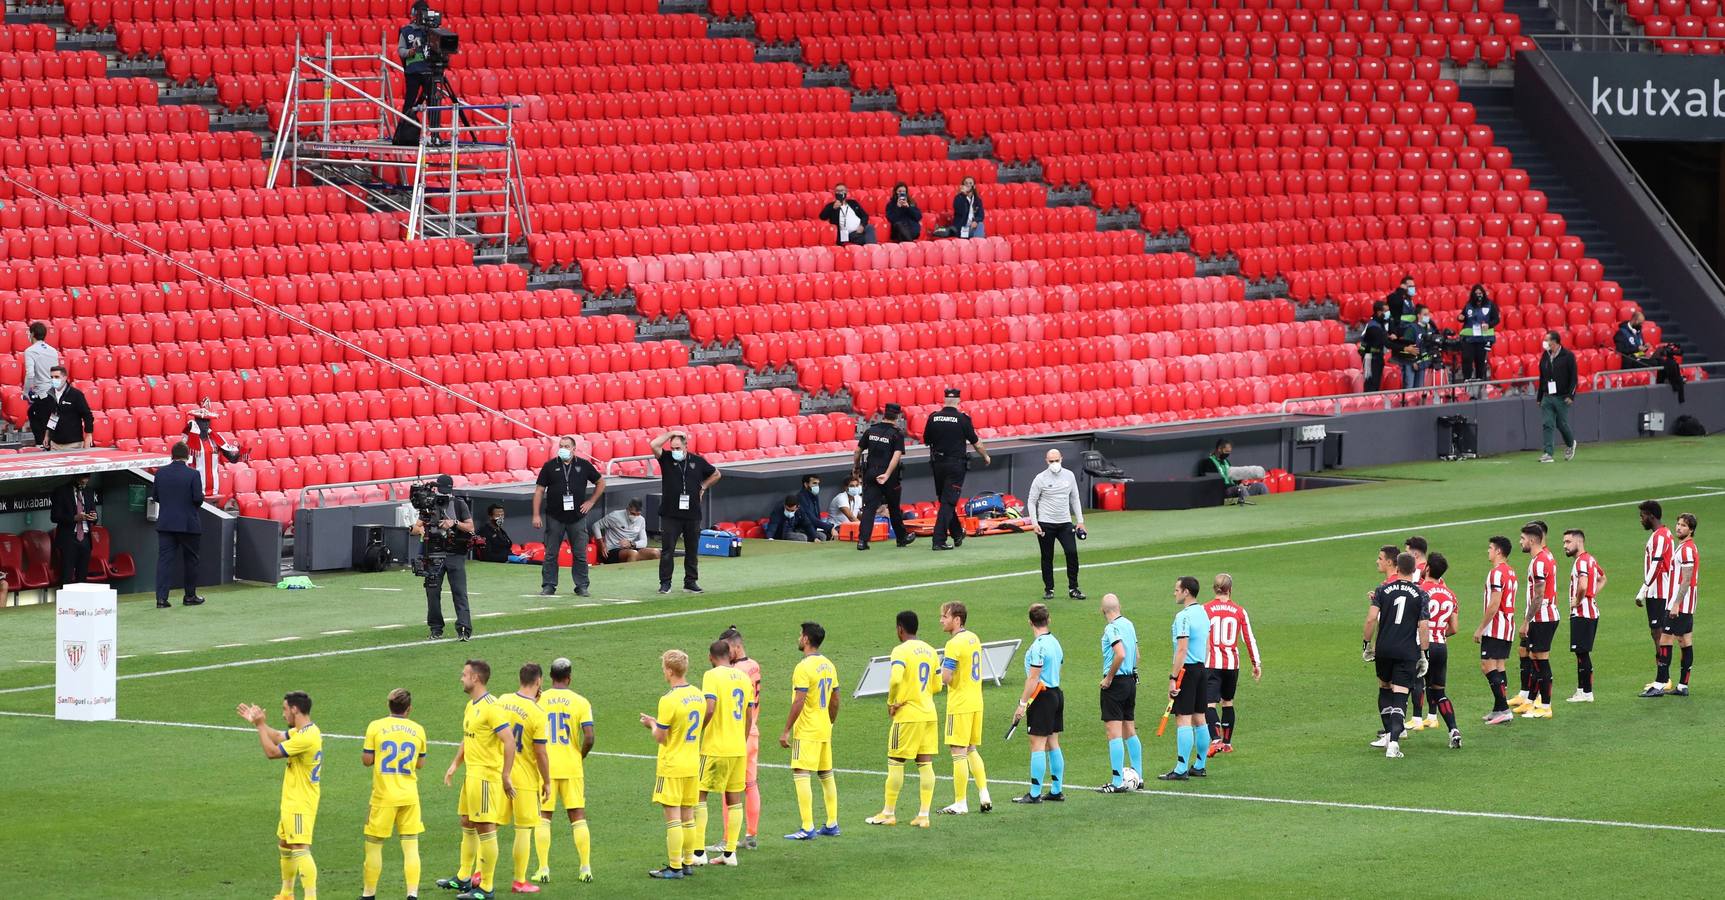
[(1625, 378), (1455, 392)]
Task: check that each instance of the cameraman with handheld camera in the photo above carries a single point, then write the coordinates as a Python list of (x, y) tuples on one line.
[(425, 47), (445, 529)]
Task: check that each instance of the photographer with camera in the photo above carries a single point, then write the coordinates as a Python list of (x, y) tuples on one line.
[(423, 65), (1479, 320), (1374, 340), (1633, 353), (445, 529), (903, 216), (1416, 347), (565, 480)]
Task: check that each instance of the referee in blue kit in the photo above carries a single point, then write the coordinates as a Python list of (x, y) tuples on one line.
[(1044, 708)]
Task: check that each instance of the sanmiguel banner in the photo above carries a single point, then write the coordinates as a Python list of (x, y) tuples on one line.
[(1650, 96)]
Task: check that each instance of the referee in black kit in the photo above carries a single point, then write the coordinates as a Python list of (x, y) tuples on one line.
[(947, 433), (1399, 619), (879, 463)]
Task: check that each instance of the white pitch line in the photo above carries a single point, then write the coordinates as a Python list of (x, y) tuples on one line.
[(487, 615), (390, 625), (170, 652), (1193, 795), (228, 646), (337, 631), (283, 640), (37, 662), (393, 590), (885, 589), (538, 608)]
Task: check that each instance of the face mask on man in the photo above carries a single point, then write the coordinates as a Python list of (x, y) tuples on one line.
[(1054, 467), (854, 490), (565, 454), (1410, 290), (497, 519), (1223, 454), (679, 455), (815, 488), (57, 382), (1425, 320)]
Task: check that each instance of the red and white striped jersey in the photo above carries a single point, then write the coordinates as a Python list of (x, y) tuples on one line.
[(1228, 626), (1688, 572), (1501, 580), (1584, 578), (1441, 609), (1542, 587), (1659, 568)]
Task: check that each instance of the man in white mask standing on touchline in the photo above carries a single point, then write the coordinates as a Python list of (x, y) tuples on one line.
[(1057, 509)]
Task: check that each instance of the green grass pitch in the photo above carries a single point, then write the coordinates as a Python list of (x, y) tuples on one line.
[(1623, 797)]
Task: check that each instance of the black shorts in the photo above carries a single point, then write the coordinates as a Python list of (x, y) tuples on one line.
[(1223, 683), (1120, 699), (1655, 613), (1581, 632), (1193, 689), (1437, 668), (1047, 713), (1493, 648), (1398, 672), (614, 555), (1679, 623), (1539, 635)]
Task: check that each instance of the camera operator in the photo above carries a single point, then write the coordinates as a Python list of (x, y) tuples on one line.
[(1633, 353), (1374, 340), (847, 218), (414, 46), (1416, 347), (903, 216), (445, 526), (1479, 319)]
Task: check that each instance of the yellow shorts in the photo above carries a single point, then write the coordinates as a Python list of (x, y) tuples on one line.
[(811, 756), (383, 821), (683, 791), (295, 826), (571, 792), (524, 808), (482, 798), (964, 729), (909, 740), (725, 773)]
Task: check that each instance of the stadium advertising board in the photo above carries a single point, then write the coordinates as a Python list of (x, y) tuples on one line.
[(1650, 96)]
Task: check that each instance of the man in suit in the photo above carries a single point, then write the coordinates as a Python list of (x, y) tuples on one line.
[(179, 496), (68, 421), (74, 514)]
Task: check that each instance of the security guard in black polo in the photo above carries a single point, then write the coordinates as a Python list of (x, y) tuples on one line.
[(879, 458), (946, 433)]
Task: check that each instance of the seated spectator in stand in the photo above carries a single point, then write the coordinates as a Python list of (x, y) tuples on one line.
[(1412, 347), (790, 523), (1374, 340), (623, 535), (903, 217), (1217, 463), (809, 503), (847, 218), (497, 546), (847, 504), (1633, 353), (68, 421), (967, 211)]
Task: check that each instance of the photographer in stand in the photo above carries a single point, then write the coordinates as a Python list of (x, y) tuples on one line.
[(424, 47), (445, 528), (1633, 353)]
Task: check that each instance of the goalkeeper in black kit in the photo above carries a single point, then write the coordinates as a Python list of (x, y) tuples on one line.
[(1400, 621)]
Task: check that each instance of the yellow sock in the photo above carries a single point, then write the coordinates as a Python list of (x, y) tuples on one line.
[(830, 793), (733, 826), (487, 860), (978, 774), (701, 828), (583, 843), (542, 840), (925, 785), (289, 867), (307, 872), (373, 868), (469, 852), (894, 783), (410, 864), (960, 779), (691, 840), (522, 852), (674, 843), (805, 799)]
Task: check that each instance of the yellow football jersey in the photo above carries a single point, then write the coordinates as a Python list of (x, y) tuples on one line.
[(964, 659), (396, 744), (482, 727), (304, 749), (915, 678), (680, 712), (528, 725), (817, 680), (566, 713), (727, 733)]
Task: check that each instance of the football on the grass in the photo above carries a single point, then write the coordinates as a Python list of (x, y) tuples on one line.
[(1129, 777)]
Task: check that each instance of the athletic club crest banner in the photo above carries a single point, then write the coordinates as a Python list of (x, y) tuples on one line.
[(86, 634)]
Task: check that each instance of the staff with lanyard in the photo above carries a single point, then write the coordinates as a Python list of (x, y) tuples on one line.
[(684, 480), (565, 481)]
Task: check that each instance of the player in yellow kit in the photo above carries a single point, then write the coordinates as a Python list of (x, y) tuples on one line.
[(302, 746), (809, 732), (731, 709), (568, 716), (489, 755), (676, 783), (962, 672), (532, 774), (910, 702), (394, 750)]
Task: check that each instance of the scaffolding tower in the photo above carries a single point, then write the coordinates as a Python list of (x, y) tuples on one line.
[(462, 179)]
